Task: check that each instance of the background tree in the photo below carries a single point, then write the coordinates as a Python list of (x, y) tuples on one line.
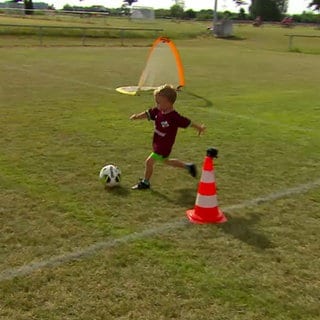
[(130, 2), (242, 14), (176, 11), (162, 13), (315, 4), (205, 14), (28, 6), (282, 5), (190, 14), (266, 9)]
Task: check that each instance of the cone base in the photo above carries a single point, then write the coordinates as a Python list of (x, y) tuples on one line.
[(194, 218)]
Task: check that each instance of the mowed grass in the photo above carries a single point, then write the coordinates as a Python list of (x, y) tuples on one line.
[(61, 120)]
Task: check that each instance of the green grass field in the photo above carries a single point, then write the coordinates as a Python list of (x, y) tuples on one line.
[(72, 250)]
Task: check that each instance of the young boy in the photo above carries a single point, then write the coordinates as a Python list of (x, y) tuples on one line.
[(167, 121)]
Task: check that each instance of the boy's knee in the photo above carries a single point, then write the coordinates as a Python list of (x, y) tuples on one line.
[(149, 161)]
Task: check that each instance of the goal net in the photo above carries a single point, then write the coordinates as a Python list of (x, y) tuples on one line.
[(163, 66)]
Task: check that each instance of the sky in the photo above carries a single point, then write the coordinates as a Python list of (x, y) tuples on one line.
[(295, 6)]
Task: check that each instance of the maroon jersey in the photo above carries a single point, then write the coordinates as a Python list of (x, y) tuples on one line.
[(166, 128)]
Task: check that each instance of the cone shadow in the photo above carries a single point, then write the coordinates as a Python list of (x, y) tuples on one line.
[(244, 229)]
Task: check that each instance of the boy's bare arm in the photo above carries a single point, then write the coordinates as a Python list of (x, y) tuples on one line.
[(199, 127), (141, 115)]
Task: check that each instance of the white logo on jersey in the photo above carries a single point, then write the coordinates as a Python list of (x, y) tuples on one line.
[(164, 124)]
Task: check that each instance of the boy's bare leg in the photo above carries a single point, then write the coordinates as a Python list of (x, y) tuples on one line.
[(149, 164), (175, 163), (145, 183), (180, 164)]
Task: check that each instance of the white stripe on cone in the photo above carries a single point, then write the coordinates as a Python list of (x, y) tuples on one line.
[(207, 176), (206, 201)]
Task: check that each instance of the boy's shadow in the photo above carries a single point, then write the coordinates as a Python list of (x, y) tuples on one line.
[(181, 197), (243, 228)]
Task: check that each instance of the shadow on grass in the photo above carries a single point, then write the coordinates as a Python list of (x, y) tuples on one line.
[(206, 103), (118, 190), (233, 38), (239, 227), (185, 197), (244, 229)]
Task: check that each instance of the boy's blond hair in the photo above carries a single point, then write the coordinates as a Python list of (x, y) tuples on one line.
[(167, 91)]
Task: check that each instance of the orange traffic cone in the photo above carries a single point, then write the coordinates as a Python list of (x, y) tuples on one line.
[(206, 208)]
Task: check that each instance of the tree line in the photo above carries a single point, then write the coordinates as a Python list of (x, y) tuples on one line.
[(268, 10)]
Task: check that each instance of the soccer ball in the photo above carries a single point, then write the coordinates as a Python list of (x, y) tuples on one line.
[(110, 175)]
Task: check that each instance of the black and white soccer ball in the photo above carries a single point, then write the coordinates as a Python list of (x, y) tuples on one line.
[(110, 175)]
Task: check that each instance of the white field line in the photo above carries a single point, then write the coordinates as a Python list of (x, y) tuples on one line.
[(266, 122), (88, 251)]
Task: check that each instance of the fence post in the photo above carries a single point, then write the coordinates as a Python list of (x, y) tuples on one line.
[(83, 36), (122, 36), (40, 35), (290, 42)]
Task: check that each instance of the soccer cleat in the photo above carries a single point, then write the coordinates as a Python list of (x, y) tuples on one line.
[(141, 185), (192, 169)]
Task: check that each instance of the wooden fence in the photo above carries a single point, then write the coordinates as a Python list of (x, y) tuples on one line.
[(292, 36), (81, 31)]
